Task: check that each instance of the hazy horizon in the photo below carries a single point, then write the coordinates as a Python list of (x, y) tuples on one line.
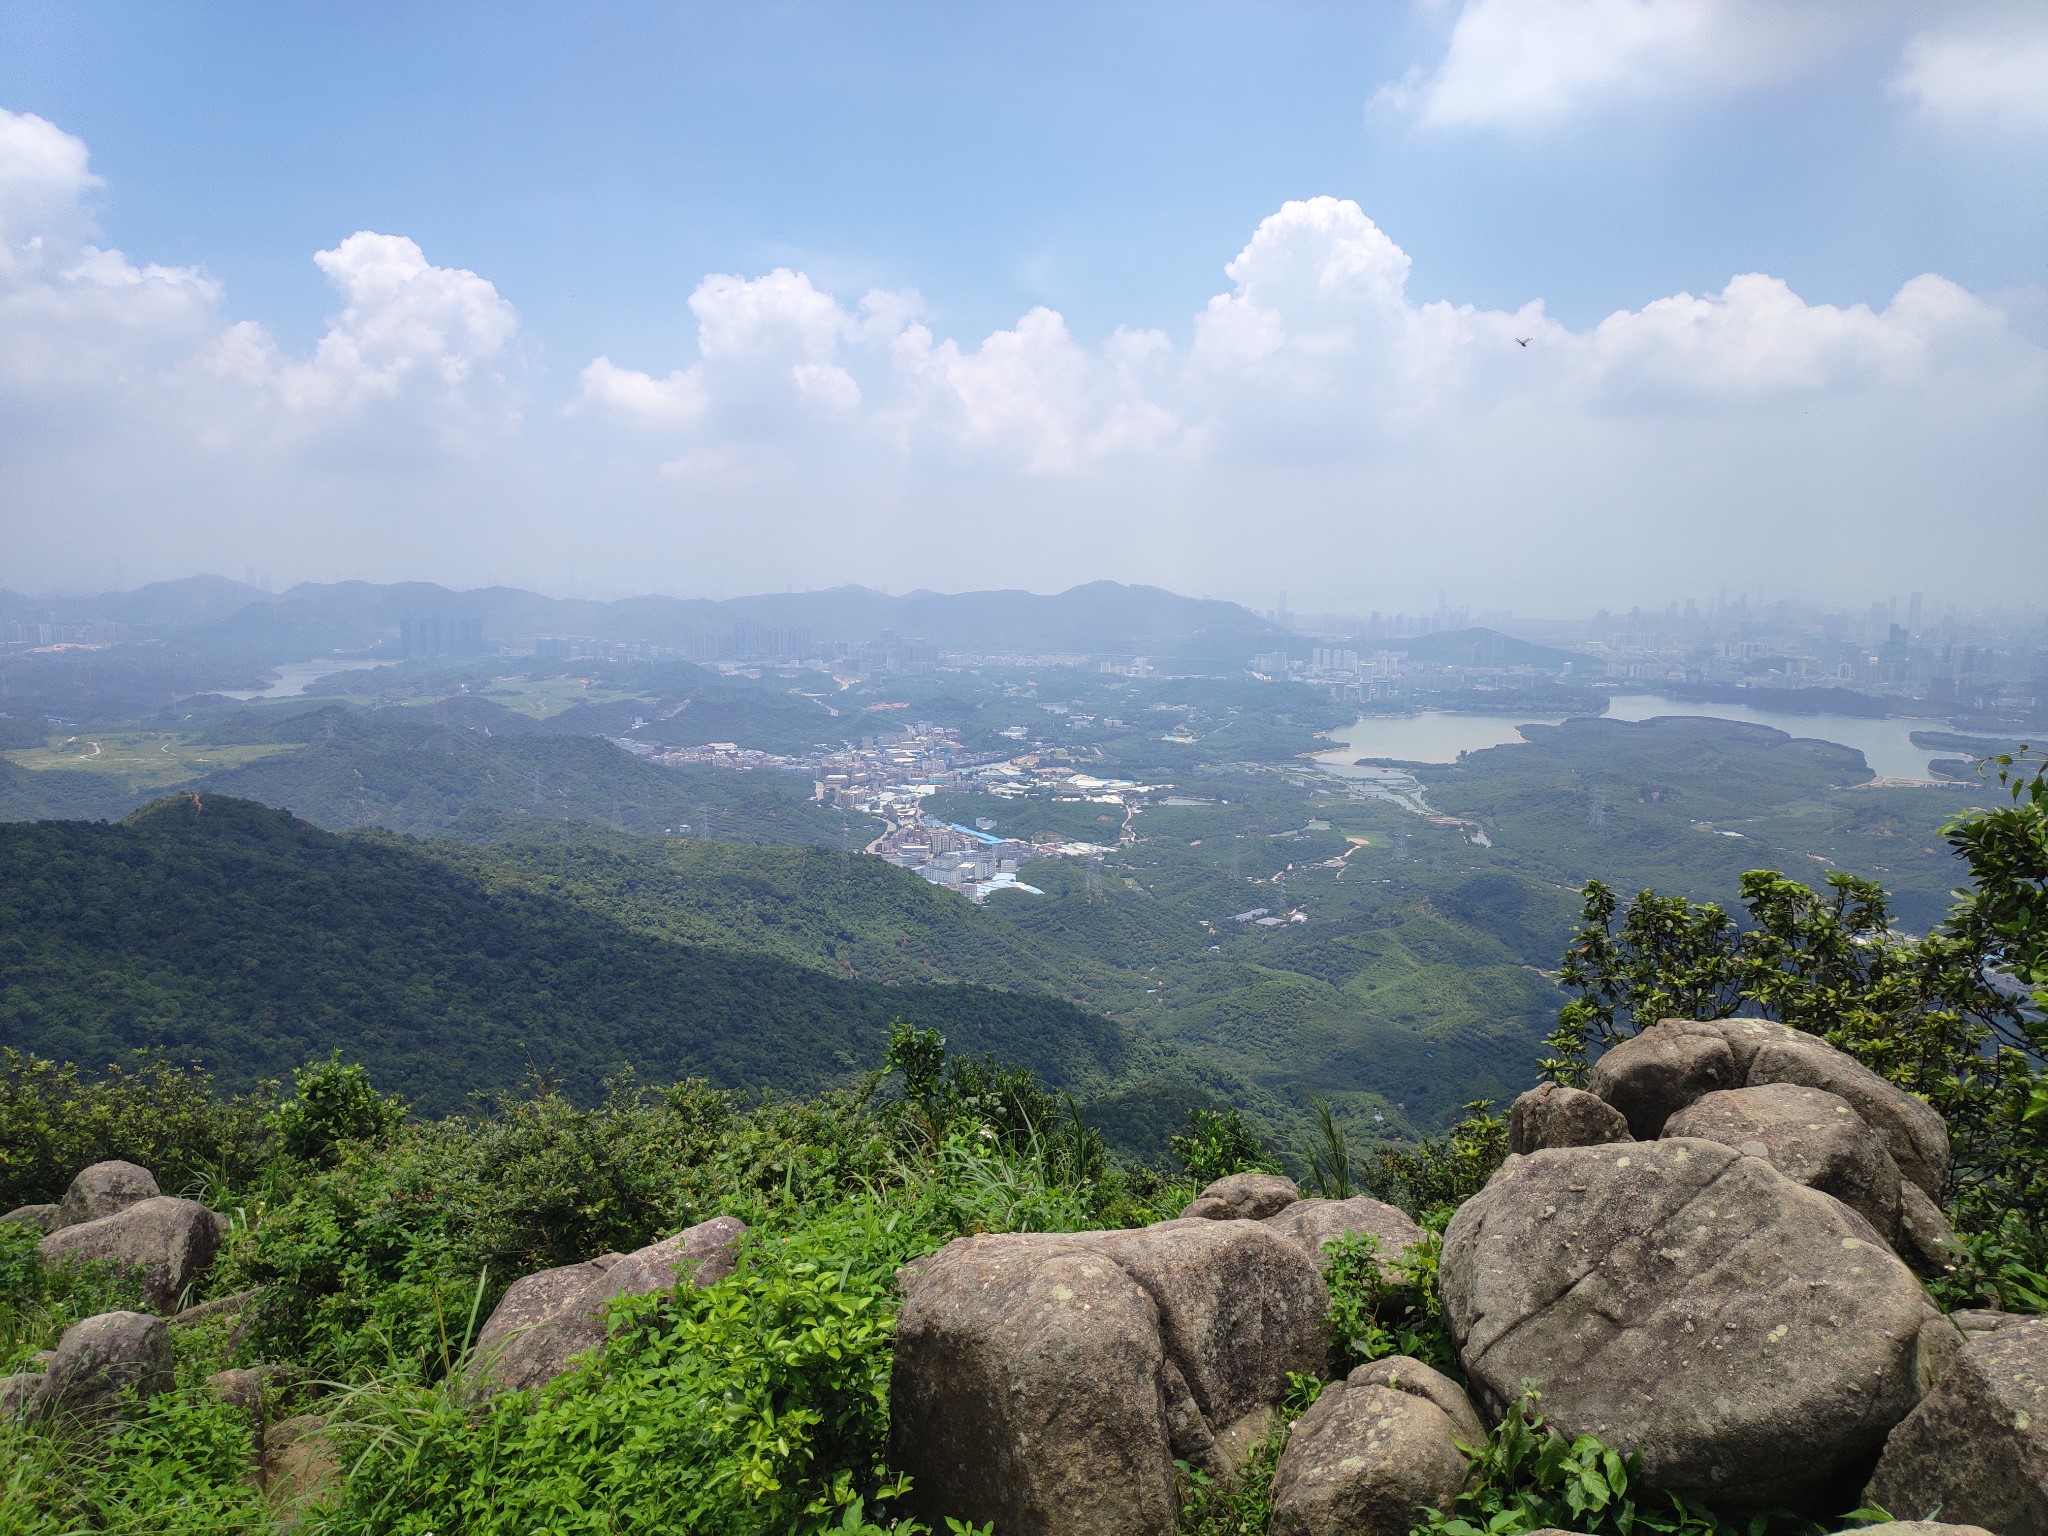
[(1689, 294)]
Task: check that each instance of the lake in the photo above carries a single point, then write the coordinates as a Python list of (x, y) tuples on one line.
[(1438, 736), (295, 677)]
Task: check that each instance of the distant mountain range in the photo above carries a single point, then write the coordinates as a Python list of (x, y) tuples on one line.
[(1103, 618)]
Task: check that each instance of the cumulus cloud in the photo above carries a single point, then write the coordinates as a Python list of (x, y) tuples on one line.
[(1312, 410), (1989, 70), (1530, 63)]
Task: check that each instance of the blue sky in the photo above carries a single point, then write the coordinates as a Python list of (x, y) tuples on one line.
[(531, 390)]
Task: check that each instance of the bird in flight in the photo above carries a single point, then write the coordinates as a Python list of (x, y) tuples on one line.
[(1523, 341)]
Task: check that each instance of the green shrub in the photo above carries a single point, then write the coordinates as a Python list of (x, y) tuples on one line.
[(39, 1301), (1218, 1143), (332, 1104), (54, 1121), (1440, 1173), (1377, 1310)]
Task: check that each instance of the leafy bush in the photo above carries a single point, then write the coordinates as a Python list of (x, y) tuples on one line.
[(332, 1104), (1528, 1477), (1440, 1173), (1218, 1143), (1380, 1308), (54, 1121), (39, 1301)]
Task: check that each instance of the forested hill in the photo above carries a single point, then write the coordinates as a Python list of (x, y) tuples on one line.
[(238, 937)]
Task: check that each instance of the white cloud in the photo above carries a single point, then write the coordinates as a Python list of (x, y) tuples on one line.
[(1311, 406), (1530, 63), (1992, 70)]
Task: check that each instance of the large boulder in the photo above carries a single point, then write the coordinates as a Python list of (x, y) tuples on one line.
[(1672, 1063), (299, 1465), (1244, 1197), (1926, 1240), (104, 1189), (1312, 1223), (1753, 1339), (106, 1361), (1046, 1382), (1551, 1115), (1916, 1528), (1976, 1449), (1807, 1134), (167, 1243), (545, 1321), (1368, 1458)]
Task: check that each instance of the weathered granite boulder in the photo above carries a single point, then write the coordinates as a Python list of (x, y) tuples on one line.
[(1244, 1197), (1926, 1240), (1312, 1223), (1550, 1115), (103, 1189), (1373, 1452), (43, 1218), (1652, 1076), (169, 1243), (1657, 1073), (1807, 1134), (544, 1321), (1976, 1320), (103, 1361), (1046, 1382), (1916, 1528), (1976, 1449), (1753, 1339), (1405, 1374)]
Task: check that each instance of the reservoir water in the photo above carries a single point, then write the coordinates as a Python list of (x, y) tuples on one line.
[(1438, 736), (295, 677)]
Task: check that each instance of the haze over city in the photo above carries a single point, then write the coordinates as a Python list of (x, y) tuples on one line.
[(1552, 306)]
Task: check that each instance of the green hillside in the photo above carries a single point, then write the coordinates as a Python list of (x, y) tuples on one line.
[(221, 932)]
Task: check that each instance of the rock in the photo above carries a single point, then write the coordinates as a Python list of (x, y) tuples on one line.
[(545, 1320), (241, 1388), (704, 1254), (169, 1242), (1914, 1133), (1654, 1075), (20, 1394), (1926, 1240), (1405, 1374), (1916, 1528), (1657, 1073), (1807, 1134), (103, 1189), (1045, 1382), (299, 1464), (1752, 1338), (1976, 1449), (1976, 1320), (1244, 1197), (43, 1218), (539, 1326), (103, 1360), (1549, 1115), (1366, 1460), (1027, 1391), (1312, 1223)]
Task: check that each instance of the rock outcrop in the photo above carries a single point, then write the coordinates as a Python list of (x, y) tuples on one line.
[(1046, 1382), (1373, 1452), (106, 1361), (1754, 1339), (1673, 1063), (168, 1243), (545, 1321), (1550, 1115), (1976, 1449), (103, 1189)]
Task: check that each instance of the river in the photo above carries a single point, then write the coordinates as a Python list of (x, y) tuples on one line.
[(1438, 736)]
